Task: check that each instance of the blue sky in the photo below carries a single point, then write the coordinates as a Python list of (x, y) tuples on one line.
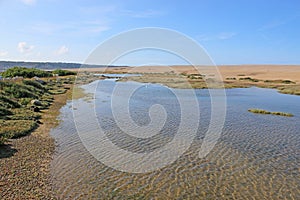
[(232, 32)]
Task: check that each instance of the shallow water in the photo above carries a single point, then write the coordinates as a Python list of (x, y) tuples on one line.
[(117, 75), (256, 157)]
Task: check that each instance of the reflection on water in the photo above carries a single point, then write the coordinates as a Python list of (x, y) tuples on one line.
[(257, 156)]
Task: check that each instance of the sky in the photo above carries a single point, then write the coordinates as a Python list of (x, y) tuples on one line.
[(231, 32)]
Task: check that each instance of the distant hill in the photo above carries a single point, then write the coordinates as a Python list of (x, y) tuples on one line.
[(45, 65)]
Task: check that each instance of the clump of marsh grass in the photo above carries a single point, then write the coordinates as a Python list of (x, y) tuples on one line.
[(15, 128), (265, 112), (249, 79), (280, 81)]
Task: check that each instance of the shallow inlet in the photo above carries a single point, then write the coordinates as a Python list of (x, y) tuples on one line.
[(257, 156)]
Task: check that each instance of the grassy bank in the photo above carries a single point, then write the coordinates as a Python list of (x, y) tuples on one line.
[(265, 112), (25, 161), (29, 109), (22, 103)]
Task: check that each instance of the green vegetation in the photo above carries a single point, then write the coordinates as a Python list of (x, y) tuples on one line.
[(231, 78), (25, 72), (195, 76), (61, 72), (15, 128), (280, 81), (8, 103), (248, 79), (22, 101), (260, 111), (32, 72), (185, 80), (289, 89)]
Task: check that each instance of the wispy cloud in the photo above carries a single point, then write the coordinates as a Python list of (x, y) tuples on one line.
[(114, 10), (142, 14), (93, 21), (279, 22), (24, 48), (272, 25), (89, 20), (98, 29), (219, 36), (70, 27), (29, 2), (44, 28), (98, 10), (3, 53), (226, 35), (62, 50), (95, 26), (96, 19)]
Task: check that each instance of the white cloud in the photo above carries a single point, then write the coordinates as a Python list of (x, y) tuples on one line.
[(3, 53), (62, 50), (29, 2), (24, 48)]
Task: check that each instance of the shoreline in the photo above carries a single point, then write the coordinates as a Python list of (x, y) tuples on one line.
[(284, 78), (101, 181), (266, 72), (25, 162)]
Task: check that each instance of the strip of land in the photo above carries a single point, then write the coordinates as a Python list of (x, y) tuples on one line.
[(284, 78), (25, 162), (29, 107), (265, 112), (268, 72)]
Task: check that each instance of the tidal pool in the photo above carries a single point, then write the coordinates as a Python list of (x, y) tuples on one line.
[(257, 156)]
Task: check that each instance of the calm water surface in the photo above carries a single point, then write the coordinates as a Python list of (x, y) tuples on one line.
[(256, 157)]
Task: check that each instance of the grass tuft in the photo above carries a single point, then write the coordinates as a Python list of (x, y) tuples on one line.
[(265, 112)]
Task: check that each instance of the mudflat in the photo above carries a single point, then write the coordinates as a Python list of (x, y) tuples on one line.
[(285, 78), (267, 72)]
